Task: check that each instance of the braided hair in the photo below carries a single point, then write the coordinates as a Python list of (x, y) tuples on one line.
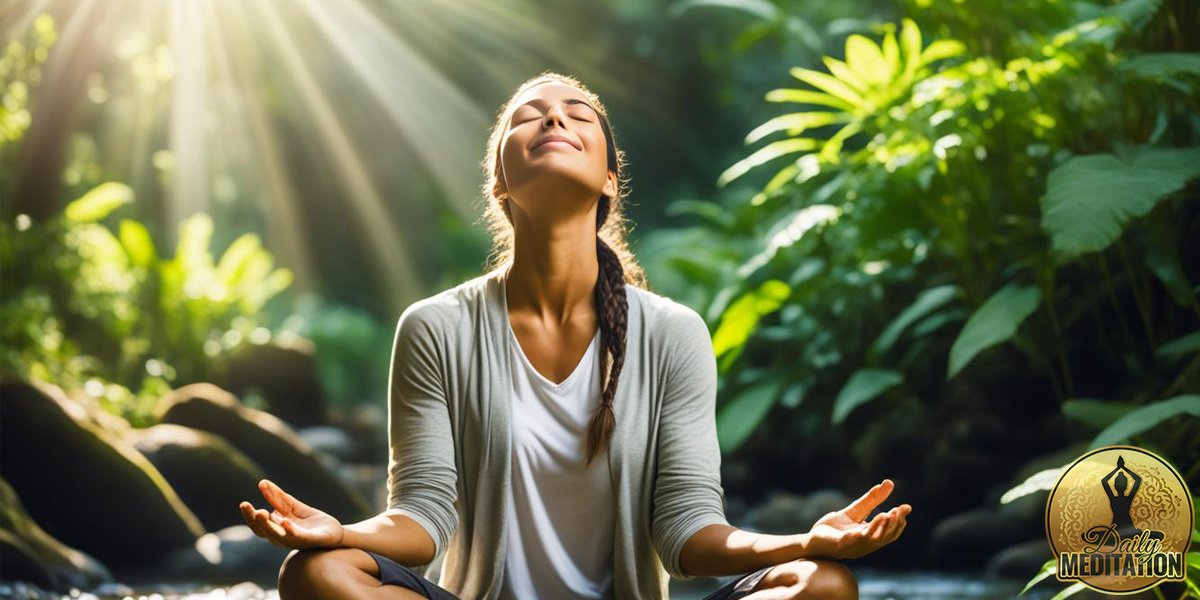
[(617, 265)]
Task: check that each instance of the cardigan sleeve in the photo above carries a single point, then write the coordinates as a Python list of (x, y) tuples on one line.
[(422, 478), (687, 492)]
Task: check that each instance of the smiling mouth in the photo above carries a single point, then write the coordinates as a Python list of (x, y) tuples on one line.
[(554, 143)]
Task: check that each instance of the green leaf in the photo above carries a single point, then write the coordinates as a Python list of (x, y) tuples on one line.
[(863, 386), (1183, 345), (808, 97), (137, 242), (739, 320), (764, 154), (891, 53), (834, 145), (758, 8), (1090, 199), (98, 202), (739, 417), (795, 123), (996, 321), (1042, 480), (1145, 418), (1071, 590), (845, 74), (910, 42), (1163, 66), (1047, 570), (941, 49), (830, 85), (866, 60), (926, 302), (1097, 413)]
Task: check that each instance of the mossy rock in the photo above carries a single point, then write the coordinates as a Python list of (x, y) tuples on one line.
[(83, 485), (32, 555), (286, 459), (208, 473)]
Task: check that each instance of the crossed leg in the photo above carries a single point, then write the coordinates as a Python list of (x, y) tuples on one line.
[(335, 574), (339, 573), (804, 579)]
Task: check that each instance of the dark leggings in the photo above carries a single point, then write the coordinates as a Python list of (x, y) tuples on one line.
[(394, 573)]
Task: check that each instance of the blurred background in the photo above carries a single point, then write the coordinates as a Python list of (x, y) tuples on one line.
[(952, 243)]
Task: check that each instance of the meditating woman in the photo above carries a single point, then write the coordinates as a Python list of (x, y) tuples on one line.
[(552, 421)]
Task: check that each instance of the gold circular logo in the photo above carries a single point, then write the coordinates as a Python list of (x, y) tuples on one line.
[(1119, 520)]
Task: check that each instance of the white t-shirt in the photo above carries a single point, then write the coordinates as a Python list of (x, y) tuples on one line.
[(560, 542)]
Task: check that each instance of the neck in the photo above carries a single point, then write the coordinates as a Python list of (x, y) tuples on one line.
[(555, 268)]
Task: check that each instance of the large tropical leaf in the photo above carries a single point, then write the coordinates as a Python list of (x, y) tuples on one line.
[(994, 322), (1097, 413), (1090, 199), (742, 316), (926, 302), (1145, 418), (864, 385), (739, 417)]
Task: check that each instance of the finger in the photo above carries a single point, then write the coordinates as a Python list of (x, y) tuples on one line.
[(889, 531), (273, 530), (287, 503), (248, 513), (859, 509), (878, 524), (895, 534), (274, 495)]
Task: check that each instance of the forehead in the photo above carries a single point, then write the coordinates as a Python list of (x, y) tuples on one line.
[(552, 91)]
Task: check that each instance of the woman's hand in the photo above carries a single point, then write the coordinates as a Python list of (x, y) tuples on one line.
[(846, 533), (293, 524)]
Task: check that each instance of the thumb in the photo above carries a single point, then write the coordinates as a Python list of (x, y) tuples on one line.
[(860, 508)]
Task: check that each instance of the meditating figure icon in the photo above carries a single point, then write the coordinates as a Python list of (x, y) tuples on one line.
[(1122, 502)]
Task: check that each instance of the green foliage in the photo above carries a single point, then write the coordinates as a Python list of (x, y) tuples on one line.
[(994, 322), (1026, 186), (1143, 418), (1090, 199), (863, 387), (105, 312)]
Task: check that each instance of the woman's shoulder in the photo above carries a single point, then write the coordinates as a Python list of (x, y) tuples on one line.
[(446, 310), (666, 317)]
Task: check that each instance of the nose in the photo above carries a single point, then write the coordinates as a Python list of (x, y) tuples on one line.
[(554, 114)]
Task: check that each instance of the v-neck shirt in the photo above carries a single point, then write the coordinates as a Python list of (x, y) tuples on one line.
[(560, 542)]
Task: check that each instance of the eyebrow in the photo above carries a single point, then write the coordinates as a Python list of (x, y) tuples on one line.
[(569, 101)]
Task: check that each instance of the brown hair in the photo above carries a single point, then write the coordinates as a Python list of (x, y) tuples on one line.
[(617, 263)]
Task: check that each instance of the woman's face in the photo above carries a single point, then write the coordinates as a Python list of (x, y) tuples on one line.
[(554, 155)]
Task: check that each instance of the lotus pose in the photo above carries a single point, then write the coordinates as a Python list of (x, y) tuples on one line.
[(1119, 501), (552, 422)]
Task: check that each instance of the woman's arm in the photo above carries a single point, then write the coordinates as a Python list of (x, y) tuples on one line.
[(687, 489), (394, 535), (422, 477)]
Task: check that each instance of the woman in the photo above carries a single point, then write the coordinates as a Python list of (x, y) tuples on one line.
[(551, 422)]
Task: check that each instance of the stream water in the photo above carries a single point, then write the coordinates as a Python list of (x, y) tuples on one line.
[(873, 585)]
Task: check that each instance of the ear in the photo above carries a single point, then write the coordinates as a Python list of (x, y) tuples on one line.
[(610, 185)]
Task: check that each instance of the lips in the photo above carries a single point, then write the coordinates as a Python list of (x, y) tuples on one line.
[(555, 138)]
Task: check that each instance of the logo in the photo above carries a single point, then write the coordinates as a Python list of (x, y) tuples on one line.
[(1120, 521)]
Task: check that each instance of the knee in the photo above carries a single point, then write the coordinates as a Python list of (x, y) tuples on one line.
[(830, 580), (306, 573)]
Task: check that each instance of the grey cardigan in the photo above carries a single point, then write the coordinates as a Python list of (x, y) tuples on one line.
[(450, 457)]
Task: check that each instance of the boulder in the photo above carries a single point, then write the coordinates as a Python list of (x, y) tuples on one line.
[(284, 373), (284, 457), (1020, 561), (208, 473), (786, 513), (84, 486), (226, 557), (968, 539), (32, 555)]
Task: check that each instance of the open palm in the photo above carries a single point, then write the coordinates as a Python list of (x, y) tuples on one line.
[(293, 524), (847, 534)]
